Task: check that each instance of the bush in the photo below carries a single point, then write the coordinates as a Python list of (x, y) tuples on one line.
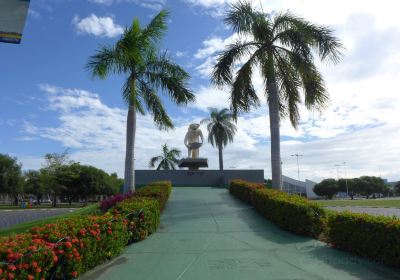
[(68, 248), (373, 237), (157, 190), (110, 202), (290, 212), (243, 190)]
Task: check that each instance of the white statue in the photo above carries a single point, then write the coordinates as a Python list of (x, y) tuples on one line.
[(192, 140)]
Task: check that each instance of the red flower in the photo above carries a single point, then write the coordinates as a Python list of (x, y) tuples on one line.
[(12, 267), (55, 259), (34, 264), (38, 270), (68, 244), (74, 274), (31, 277)]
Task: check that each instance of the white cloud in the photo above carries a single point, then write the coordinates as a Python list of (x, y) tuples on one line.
[(97, 26), (150, 4)]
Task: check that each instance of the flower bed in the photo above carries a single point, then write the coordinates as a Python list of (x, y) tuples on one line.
[(373, 237), (66, 249), (243, 190)]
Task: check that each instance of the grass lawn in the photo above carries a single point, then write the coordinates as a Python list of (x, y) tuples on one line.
[(362, 202), (91, 209)]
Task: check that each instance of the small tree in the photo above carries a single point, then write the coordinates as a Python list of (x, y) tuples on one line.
[(53, 171), (11, 180), (368, 185), (33, 185), (328, 188), (167, 160)]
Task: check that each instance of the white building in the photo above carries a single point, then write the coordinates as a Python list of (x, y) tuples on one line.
[(293, 186)]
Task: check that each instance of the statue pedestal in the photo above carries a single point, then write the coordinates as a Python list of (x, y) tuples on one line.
[(193, 163)]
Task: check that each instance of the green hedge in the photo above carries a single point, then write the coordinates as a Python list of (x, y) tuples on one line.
[(243, 190), (66, 249), (290, 212), (158, 190), (373, 237)]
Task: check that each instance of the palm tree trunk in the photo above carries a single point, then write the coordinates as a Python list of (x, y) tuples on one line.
[(273, 103), (129, 184), (221, 160)]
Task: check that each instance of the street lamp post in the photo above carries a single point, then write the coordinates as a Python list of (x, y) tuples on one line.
[(345, 177), (298, 166)]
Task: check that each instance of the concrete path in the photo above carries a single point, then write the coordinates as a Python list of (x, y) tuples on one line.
[(369, 210), (10, 218), (207, 234)]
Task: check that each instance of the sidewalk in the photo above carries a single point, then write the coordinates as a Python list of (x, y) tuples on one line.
[(207, 234)]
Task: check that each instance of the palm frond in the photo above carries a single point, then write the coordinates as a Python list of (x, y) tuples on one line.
[(170, 78), (243, 95), (222, 71), (241, 16), (154, 160), (156, 29), (154, 105), (103, 62)]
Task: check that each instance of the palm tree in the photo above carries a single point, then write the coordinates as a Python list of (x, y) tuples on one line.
[(137, 56), (283, 48), (220, 130), (167, 160)]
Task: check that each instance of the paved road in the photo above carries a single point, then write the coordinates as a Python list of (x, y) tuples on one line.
[(207, 234), (368, 210), (13, 217)]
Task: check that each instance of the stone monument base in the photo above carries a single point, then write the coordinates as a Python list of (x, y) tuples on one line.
[(193, 163)]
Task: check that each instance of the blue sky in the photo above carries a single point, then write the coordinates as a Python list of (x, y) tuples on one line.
[(50, 103)]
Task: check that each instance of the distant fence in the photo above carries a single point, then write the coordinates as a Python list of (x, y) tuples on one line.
[(198, 178)]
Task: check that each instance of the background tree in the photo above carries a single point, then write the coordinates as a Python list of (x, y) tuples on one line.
[(328, 188), (221, 130), (53, 171), (283, 49), (368, 185), (348, 184), (136, 55), (397, 188), (168, 160), (11, 180), (33, 185)]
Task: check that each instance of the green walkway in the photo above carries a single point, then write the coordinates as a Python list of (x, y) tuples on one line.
[(207, 234)]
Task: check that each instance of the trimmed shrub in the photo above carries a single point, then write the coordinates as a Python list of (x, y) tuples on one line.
[(142, 225), (373, 237), (243, 190), (157, 190), (290, 212), (66, 249)]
